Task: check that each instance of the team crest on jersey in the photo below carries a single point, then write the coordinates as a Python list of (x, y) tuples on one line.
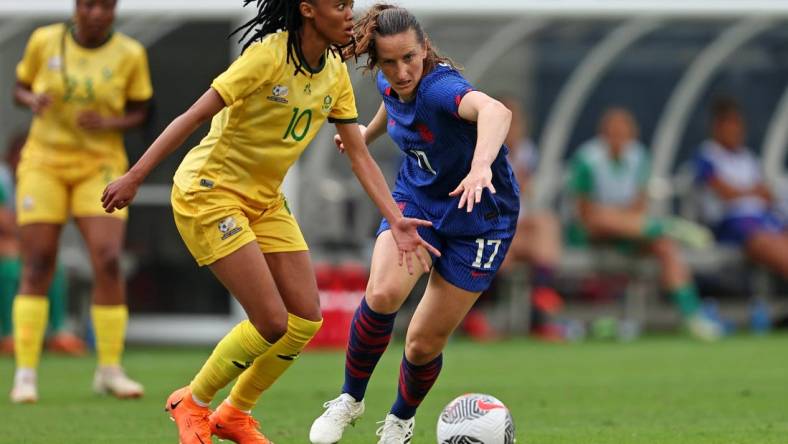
[(278, 94), (327, 100), (228, 227), (54, 63)]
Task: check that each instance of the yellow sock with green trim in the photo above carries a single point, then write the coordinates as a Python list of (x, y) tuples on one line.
[(109, 327), (270, 366), (30, 315), (234, 354)]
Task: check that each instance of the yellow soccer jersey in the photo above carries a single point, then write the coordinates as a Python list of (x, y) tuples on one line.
[(79, 79), (271, 116)]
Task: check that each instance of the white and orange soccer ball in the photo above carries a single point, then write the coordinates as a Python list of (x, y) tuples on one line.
[(475, 418)]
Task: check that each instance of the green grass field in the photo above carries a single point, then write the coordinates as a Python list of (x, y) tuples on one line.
[(657, 390)]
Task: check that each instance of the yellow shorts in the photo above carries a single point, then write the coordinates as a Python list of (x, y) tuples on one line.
[(214, 223), (46, 194)]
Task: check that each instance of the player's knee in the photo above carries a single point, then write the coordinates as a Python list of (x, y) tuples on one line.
[(382, 299), (39, 267), (271, 328), (423, 349), (107, 260), (664, 249)]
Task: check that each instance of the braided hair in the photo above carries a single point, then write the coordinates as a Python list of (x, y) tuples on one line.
[(278, 15), (385, 20)]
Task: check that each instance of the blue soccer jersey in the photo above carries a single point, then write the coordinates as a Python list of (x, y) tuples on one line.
[(439, 146)]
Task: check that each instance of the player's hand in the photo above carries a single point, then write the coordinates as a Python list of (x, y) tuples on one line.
[(120, 192), (470, 189), (341, 146), (39, 103), (408, 242), (90, 120)]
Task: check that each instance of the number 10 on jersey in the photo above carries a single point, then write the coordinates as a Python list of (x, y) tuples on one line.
[(295, 122)]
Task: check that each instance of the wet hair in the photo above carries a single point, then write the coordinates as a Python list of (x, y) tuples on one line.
[(273, 16), (384, 20), (723, 107)]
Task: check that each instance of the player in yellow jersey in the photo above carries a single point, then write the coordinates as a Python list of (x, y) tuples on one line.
[(230, 210), (85, 85)]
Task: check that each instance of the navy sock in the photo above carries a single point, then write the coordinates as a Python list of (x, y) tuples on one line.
[(415, 381), (370, 333)]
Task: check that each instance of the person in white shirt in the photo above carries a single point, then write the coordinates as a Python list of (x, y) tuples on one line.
[(738, 204)]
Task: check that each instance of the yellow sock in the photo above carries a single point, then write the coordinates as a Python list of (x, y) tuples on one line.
[(270, 366), (109, 326), (30, 315), (234, 354)]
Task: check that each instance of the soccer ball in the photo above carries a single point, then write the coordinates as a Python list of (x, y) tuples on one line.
[(475, 418)]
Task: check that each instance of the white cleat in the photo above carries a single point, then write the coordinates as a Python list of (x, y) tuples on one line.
[(340, 412), (25, 390), (703, 328), (113, 381), (395, 430)]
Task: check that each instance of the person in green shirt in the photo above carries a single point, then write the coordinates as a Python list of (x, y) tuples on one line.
[(609, 176)]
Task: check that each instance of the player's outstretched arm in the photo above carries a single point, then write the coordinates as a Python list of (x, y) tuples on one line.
[(119, 193), (492, 120), (404, 229), (376, 126)]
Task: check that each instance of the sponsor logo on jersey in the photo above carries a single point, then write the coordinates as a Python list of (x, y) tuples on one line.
[(278, 94), (327, 100), (206, 183), (478, 274), (228, 227)]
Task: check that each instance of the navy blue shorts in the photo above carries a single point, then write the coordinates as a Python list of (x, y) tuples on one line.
[(738, 230), (469, 263)]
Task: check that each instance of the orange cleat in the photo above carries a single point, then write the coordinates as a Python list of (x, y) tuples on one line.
[(7, 345), (67, 344), (227, 422), (190, 417)]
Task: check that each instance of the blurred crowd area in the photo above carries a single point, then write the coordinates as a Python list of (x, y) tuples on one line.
[(652, 99)]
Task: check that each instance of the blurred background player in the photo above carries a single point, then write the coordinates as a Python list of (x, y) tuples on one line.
[(609, 176), (232, 215), (455, 174), (738, 203), (59, 339), (86, 85)]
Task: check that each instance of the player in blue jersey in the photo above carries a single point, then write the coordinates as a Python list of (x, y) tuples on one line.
[(455, 174)]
